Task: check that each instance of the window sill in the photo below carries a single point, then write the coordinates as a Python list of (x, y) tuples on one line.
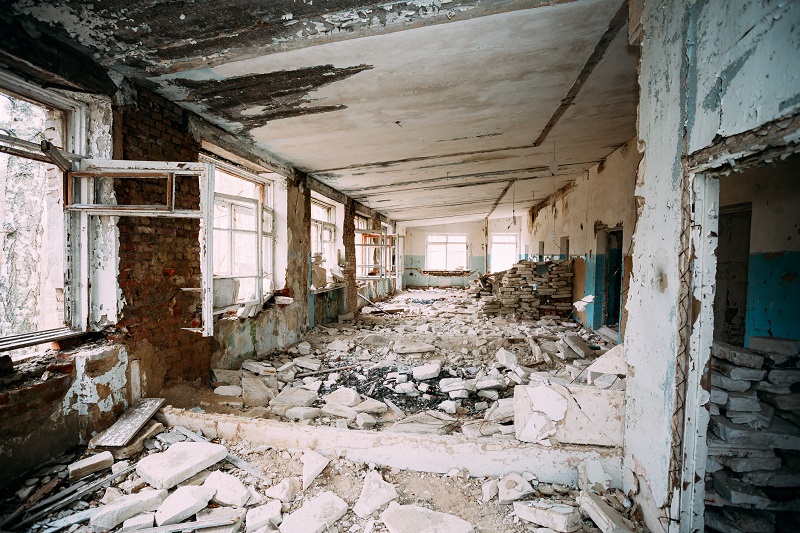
[(26, 340), (328, 289)]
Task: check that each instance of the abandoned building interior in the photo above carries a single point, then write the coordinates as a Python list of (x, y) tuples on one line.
[(429, 265)]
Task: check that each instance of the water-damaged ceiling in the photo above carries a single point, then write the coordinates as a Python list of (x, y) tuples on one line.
[(425, 109)]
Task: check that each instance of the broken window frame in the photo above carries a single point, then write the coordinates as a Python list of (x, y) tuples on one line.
[(327, 247), (75, 127), (444, 238), (378, 243), (84, 189), (262, 204)]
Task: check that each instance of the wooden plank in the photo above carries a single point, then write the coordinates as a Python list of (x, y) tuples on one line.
[(129, 424)]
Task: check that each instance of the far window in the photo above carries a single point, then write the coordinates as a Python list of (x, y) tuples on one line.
[(446, 252), (243, 238), (503, 252), (323, 232)]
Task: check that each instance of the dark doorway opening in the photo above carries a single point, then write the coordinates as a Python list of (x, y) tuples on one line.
[(733, 255), (613, 281)]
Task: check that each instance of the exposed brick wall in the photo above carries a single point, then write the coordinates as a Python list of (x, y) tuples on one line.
[(159, 256), (349, 240)]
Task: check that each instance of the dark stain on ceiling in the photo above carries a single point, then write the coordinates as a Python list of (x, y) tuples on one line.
[(281, 94)]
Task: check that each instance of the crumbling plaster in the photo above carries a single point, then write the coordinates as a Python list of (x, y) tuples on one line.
[(673, 73)]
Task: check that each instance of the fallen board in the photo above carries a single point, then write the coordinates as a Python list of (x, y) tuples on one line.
[(129, 424)]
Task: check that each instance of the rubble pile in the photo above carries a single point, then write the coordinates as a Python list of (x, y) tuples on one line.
[(529, 289), (180, 481), (753, 468)]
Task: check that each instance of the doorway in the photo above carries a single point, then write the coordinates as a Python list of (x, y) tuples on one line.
[(733, 254), (613, 278)]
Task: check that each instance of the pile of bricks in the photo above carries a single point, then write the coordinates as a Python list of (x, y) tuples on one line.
[(754, 438), (529, 289)]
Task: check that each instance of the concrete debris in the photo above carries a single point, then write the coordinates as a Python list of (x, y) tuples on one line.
[(309, 363), (375, 493), (140, 521), (304, 348), (255, 393), (776, 345), (182, 504), (264, 515), (113, 514), (415, 519), (228, 390), (181, 461), (284, 491), (556, 516), (343, 396), (428, 371), (89, 465), (489, 489), (365, 420), (313, 465), (223, 512), (501, 411), (302, 413), (427, 422), (513, 487), (506, 358), (316, 515), (338, 345), (537, 410), (592, 477), (406, 347), (610, 363), (603, 515), (339, 411), (228, 490), (292, 397), (258, 367), (371, 406)]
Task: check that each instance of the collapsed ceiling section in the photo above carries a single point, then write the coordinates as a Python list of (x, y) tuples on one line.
[(460, 114)]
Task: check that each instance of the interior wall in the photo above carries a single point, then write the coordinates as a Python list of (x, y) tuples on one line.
[(773, 270), (701, 75), (602, 198)]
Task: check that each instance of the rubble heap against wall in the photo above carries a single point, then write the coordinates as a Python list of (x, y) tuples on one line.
[(753, 468), (529, 289)]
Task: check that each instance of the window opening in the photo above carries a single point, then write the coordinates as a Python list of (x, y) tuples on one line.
[(446, 253), (503, 252), (323, 233), (376, 252)]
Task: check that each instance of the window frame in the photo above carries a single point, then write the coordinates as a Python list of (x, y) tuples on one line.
[(491, 248), (385, 244), (264, 203), (320, 227), (446, 242), (75, 249)]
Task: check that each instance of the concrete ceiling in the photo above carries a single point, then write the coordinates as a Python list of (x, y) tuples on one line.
[(419, 109)]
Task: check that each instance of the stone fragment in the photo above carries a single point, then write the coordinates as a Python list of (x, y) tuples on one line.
[(343, 396), (338, 345), (495, 383), (111, 494), (416, 519), (743, 401), (292, 397), (183, 503), (228, 390), (309, 363), (89, 465), (375, 493), (181, 461), (403, 347), (371, 406), (284, 491), (612, 362), (608, 519), (228, 490), (264, 515), (556, 516), (513, 487), (501, 411), (779, 434), (489, 490), (506, 358), (315, 515), (406, 388), (731, 385), (450, 406), (750, 464), (719, 396), (431, 422), (365, 420), (537, 410), (458, 394), (339, 411), (777, 345), (140, 521), (738, 492), (736, 355), (223, 512), (257, 367), (373, 340), (455, 384), (229, 377), (302, 413), (111, 515), (304, 348), (784, 376), (592, 476), (313, 465), (255, 392), (428, 371), (736, 372), (489, 394)]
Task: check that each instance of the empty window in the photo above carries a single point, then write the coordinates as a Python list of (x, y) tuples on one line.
[(564, 246), (446, 252), (323, 232), (244, 239), (375, 252), (503, 252)]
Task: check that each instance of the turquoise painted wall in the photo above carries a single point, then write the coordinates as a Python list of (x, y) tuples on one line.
[(773, 293), (594, 284), (415, 264)]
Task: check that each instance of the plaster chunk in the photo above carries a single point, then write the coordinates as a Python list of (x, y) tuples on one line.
[(431, 422), (111, 515), (501, 411), (255, 392), (313, 465), (506, 358), (428, 371), (489, 490), (180, 462), (593, 477), (284, 491), (228, 490), (304, 348), (302, 413), (513, 487), (264, 515), (183, 503), (292, 397), (140, 521), (416, 519), (611, 362), (339, 411), (343, 396), (338, 345), (403, 347), (228, 390), (223, 512), (556, 516), (375, 493), (371, 406), (316, 515), (89, 465), (608, 519), (309, 363)]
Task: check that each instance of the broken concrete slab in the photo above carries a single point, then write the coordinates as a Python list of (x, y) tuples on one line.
[(404, 347), (284, 491), (610, 363), (493, 383), (431, 422), (255, 392), (537, 411), (302, 413), (228, 390), (594, 416), (183, 503), (339, 411), (738, 492), (415, 519), (309, 363), (313, 465), (737, 372), (777, 345), (375, 493), (140, 521), (489, 489), (501, 411), (228, 489), (292, 397), (343, 396), (513, 487), (89, 465), (427, 371), (608, 519), (736, 355), (223, 512), (338, 345), (264, 515), (779, 434), (365, 420), (258, 368), (113, 514), (507, 358), (315, 515), (228, 377), (579, 346), (556, 516), (180, 462), (728, 384)]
